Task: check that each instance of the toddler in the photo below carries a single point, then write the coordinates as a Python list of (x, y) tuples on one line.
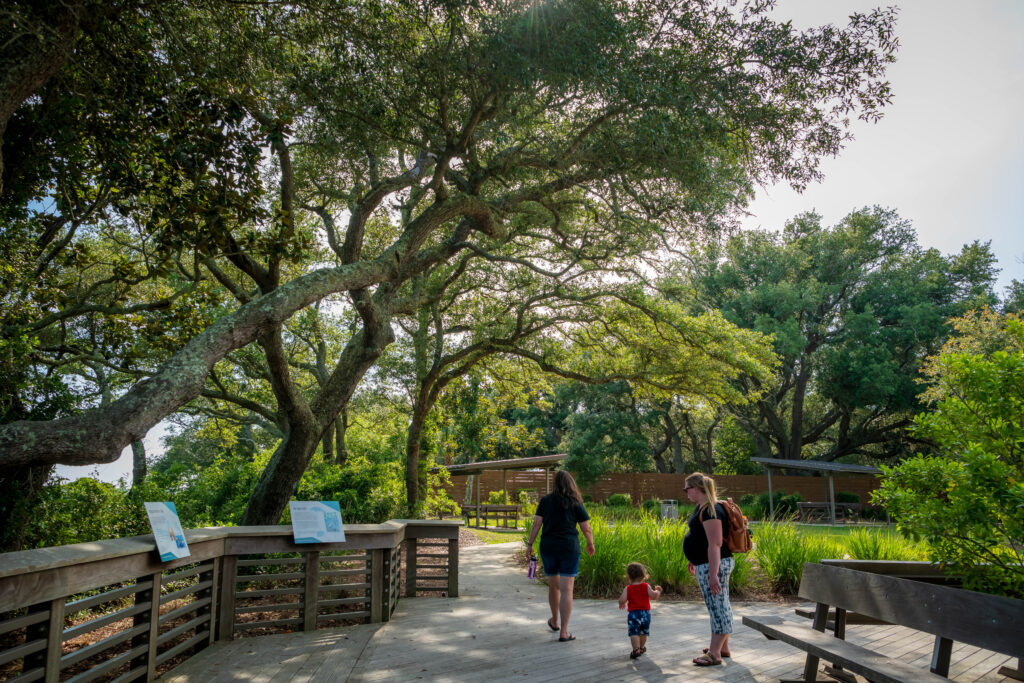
[(637, 596)]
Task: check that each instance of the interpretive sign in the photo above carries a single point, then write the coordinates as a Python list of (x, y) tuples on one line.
[(316, 521), (170, 537)]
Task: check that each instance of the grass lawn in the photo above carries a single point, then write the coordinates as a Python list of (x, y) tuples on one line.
[(492, 536)]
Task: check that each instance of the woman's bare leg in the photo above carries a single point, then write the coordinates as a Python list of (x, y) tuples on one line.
[(553, 598), (565, 586)]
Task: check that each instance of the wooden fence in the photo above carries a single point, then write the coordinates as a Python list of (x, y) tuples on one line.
[(642, 487), (112, 610)]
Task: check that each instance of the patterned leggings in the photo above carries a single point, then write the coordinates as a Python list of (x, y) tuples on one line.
[(718, 605)]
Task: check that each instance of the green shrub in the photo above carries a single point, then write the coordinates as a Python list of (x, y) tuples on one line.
[(748, 499), (652, 506), (498, 498), (587, 498), (742, 574), (618, 499), (847, 497), (757, 507), (526, 496)]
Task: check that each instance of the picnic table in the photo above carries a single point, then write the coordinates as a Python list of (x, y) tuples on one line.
[(503, 514), (848, 512)]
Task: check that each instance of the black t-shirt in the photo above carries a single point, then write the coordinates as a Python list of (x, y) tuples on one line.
[(695, 545), (558, 535)]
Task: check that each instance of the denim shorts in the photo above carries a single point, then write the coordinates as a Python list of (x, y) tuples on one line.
[(560, 565), (639, 622)]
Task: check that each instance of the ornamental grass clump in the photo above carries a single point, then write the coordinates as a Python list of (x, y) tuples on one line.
[(873, 544), (782, 551)]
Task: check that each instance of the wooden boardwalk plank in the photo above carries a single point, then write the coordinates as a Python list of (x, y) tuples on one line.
[(496, 632)]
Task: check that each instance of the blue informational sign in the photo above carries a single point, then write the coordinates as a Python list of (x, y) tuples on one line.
[(170, 537), (316, 521)]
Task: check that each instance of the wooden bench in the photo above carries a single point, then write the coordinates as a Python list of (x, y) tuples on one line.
[(503, 514), (950, 614), (844, 511)]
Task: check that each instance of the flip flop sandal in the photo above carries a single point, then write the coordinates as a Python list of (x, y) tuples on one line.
[(565, 640), (634, 654), (550, 626), (643, 649), (705, 660), (724, 654)]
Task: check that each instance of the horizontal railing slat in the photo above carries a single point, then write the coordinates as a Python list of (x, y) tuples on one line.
[(266, 593), (26, 676), (22, 651), (100, 622), (182, 646), (342, 601), (186, 573), (338, 616), (268, 561), (264, 624), (344, 572), (334, 587), (23, 621), (130, 675), (87, 603), (253, 578), (178, 630), (278, 607), (110, 665), (189, 590), (101, 646), (184, 609)]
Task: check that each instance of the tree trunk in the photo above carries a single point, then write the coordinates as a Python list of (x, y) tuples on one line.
[(279, 480), (413, 444), (19, 492), (138, 463), (327, 443), (340, 427)]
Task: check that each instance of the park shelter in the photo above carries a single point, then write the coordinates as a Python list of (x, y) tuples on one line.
[(825, 469), (545, 462)]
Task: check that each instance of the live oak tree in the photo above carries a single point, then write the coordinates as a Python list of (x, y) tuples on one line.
[(400, 135), (853, 310)]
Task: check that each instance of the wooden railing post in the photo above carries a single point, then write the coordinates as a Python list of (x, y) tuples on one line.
[(213, 593), (376, 584), (453, 567), (311, 592), (228, 576), (385, 580), (410, 567), (52, 629), (150, 618)]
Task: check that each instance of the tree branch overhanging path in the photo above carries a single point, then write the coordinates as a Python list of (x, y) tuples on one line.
[(437, 133)]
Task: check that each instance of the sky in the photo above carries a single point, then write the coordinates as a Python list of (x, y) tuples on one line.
[(948, 155)]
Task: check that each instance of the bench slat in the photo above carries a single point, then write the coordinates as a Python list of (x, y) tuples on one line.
[(986, 621), (855, 658)]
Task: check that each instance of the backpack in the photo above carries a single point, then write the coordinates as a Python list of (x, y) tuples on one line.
[(738, 539)]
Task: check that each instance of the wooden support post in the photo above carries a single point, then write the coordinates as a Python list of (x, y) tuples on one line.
[(479, 477), (376, 584), (831, 499), (152, 618), (771, 499), (547, 480), (1016, 674), (410, 567), (453, 567), (385, 596), (504, 487), (811, 663), (52, 630), (228, 579), (941, 652), (311, 590), (213, 592)]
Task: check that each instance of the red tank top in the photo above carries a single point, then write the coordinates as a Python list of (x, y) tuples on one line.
[(637, 597)]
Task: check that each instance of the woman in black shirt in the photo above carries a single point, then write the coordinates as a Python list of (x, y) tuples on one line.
[(558, 513), (711, 562)]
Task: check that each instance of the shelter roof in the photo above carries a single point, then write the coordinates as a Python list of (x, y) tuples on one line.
[(817, 466), (513, 464)]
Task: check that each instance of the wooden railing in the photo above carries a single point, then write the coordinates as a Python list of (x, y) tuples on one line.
[(111, 610)]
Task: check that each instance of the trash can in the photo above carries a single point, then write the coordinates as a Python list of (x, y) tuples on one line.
[(669, 509)]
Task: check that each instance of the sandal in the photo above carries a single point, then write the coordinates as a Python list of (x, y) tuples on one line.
[(643, 649), (706, 660), (635, 653), (552, 626), (724, 654), (566, 639)]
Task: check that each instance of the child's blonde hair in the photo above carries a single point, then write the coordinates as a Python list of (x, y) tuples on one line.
[(636, 571), (707, 485)]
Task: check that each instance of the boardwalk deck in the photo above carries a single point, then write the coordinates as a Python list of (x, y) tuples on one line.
[(495, 632)]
